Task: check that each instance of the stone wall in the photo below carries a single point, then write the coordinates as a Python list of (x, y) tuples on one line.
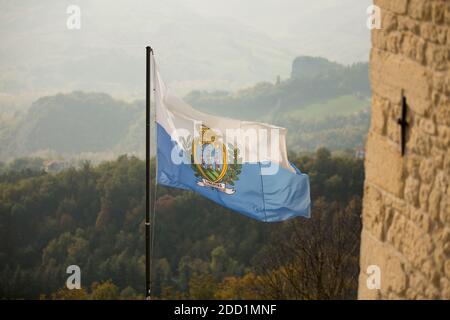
[(406, 214)]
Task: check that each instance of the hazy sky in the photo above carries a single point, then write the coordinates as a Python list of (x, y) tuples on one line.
[(199, 44)]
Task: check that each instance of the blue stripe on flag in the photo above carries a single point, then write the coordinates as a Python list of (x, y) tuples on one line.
[(268, 198)]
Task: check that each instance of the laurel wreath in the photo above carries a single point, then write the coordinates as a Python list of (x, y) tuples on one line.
[(234, 168)]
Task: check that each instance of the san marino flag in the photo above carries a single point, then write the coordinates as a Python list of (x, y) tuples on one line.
[(241, 165)]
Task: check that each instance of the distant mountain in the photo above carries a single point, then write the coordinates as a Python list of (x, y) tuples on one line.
[(306, 67), (313, 80), (322, 104), (75, 123), (199, 44)]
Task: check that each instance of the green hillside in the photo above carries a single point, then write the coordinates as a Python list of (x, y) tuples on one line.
[(323, 104), (313, 81), (340, 106)]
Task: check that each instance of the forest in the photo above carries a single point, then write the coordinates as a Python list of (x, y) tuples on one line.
[(93, 217)]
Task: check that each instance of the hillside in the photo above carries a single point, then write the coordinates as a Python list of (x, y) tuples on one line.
[(72, 124), (313, 80), (323, 103)]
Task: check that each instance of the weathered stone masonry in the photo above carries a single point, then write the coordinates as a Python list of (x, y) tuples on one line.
[(406, 214)]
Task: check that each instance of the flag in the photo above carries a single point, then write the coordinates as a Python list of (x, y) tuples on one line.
[(241, 165)]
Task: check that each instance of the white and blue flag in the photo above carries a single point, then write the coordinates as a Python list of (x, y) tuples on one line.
[(241, 165)]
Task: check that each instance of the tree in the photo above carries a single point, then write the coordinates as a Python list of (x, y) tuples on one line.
[(130, 294), (106, 290), (66, 294), (202, 287), (241, 288), (221, 263), (316, 258)]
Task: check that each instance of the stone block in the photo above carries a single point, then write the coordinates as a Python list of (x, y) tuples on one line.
[(437, 57), (395, 277), (438, 12), (419, 9), (390, 74), (420, 218), (397, 6), (415, 245), (405, 23), (389, 22), (384, 164), (412, 187), (380, 108), (429, 32), (373, 217)]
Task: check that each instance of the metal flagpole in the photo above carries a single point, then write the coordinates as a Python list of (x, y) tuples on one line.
[(147, 176)]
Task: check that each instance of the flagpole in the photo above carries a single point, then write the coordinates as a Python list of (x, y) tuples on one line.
[(149, 51)]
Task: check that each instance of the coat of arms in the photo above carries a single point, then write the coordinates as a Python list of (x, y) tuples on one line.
[(216, 163)]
